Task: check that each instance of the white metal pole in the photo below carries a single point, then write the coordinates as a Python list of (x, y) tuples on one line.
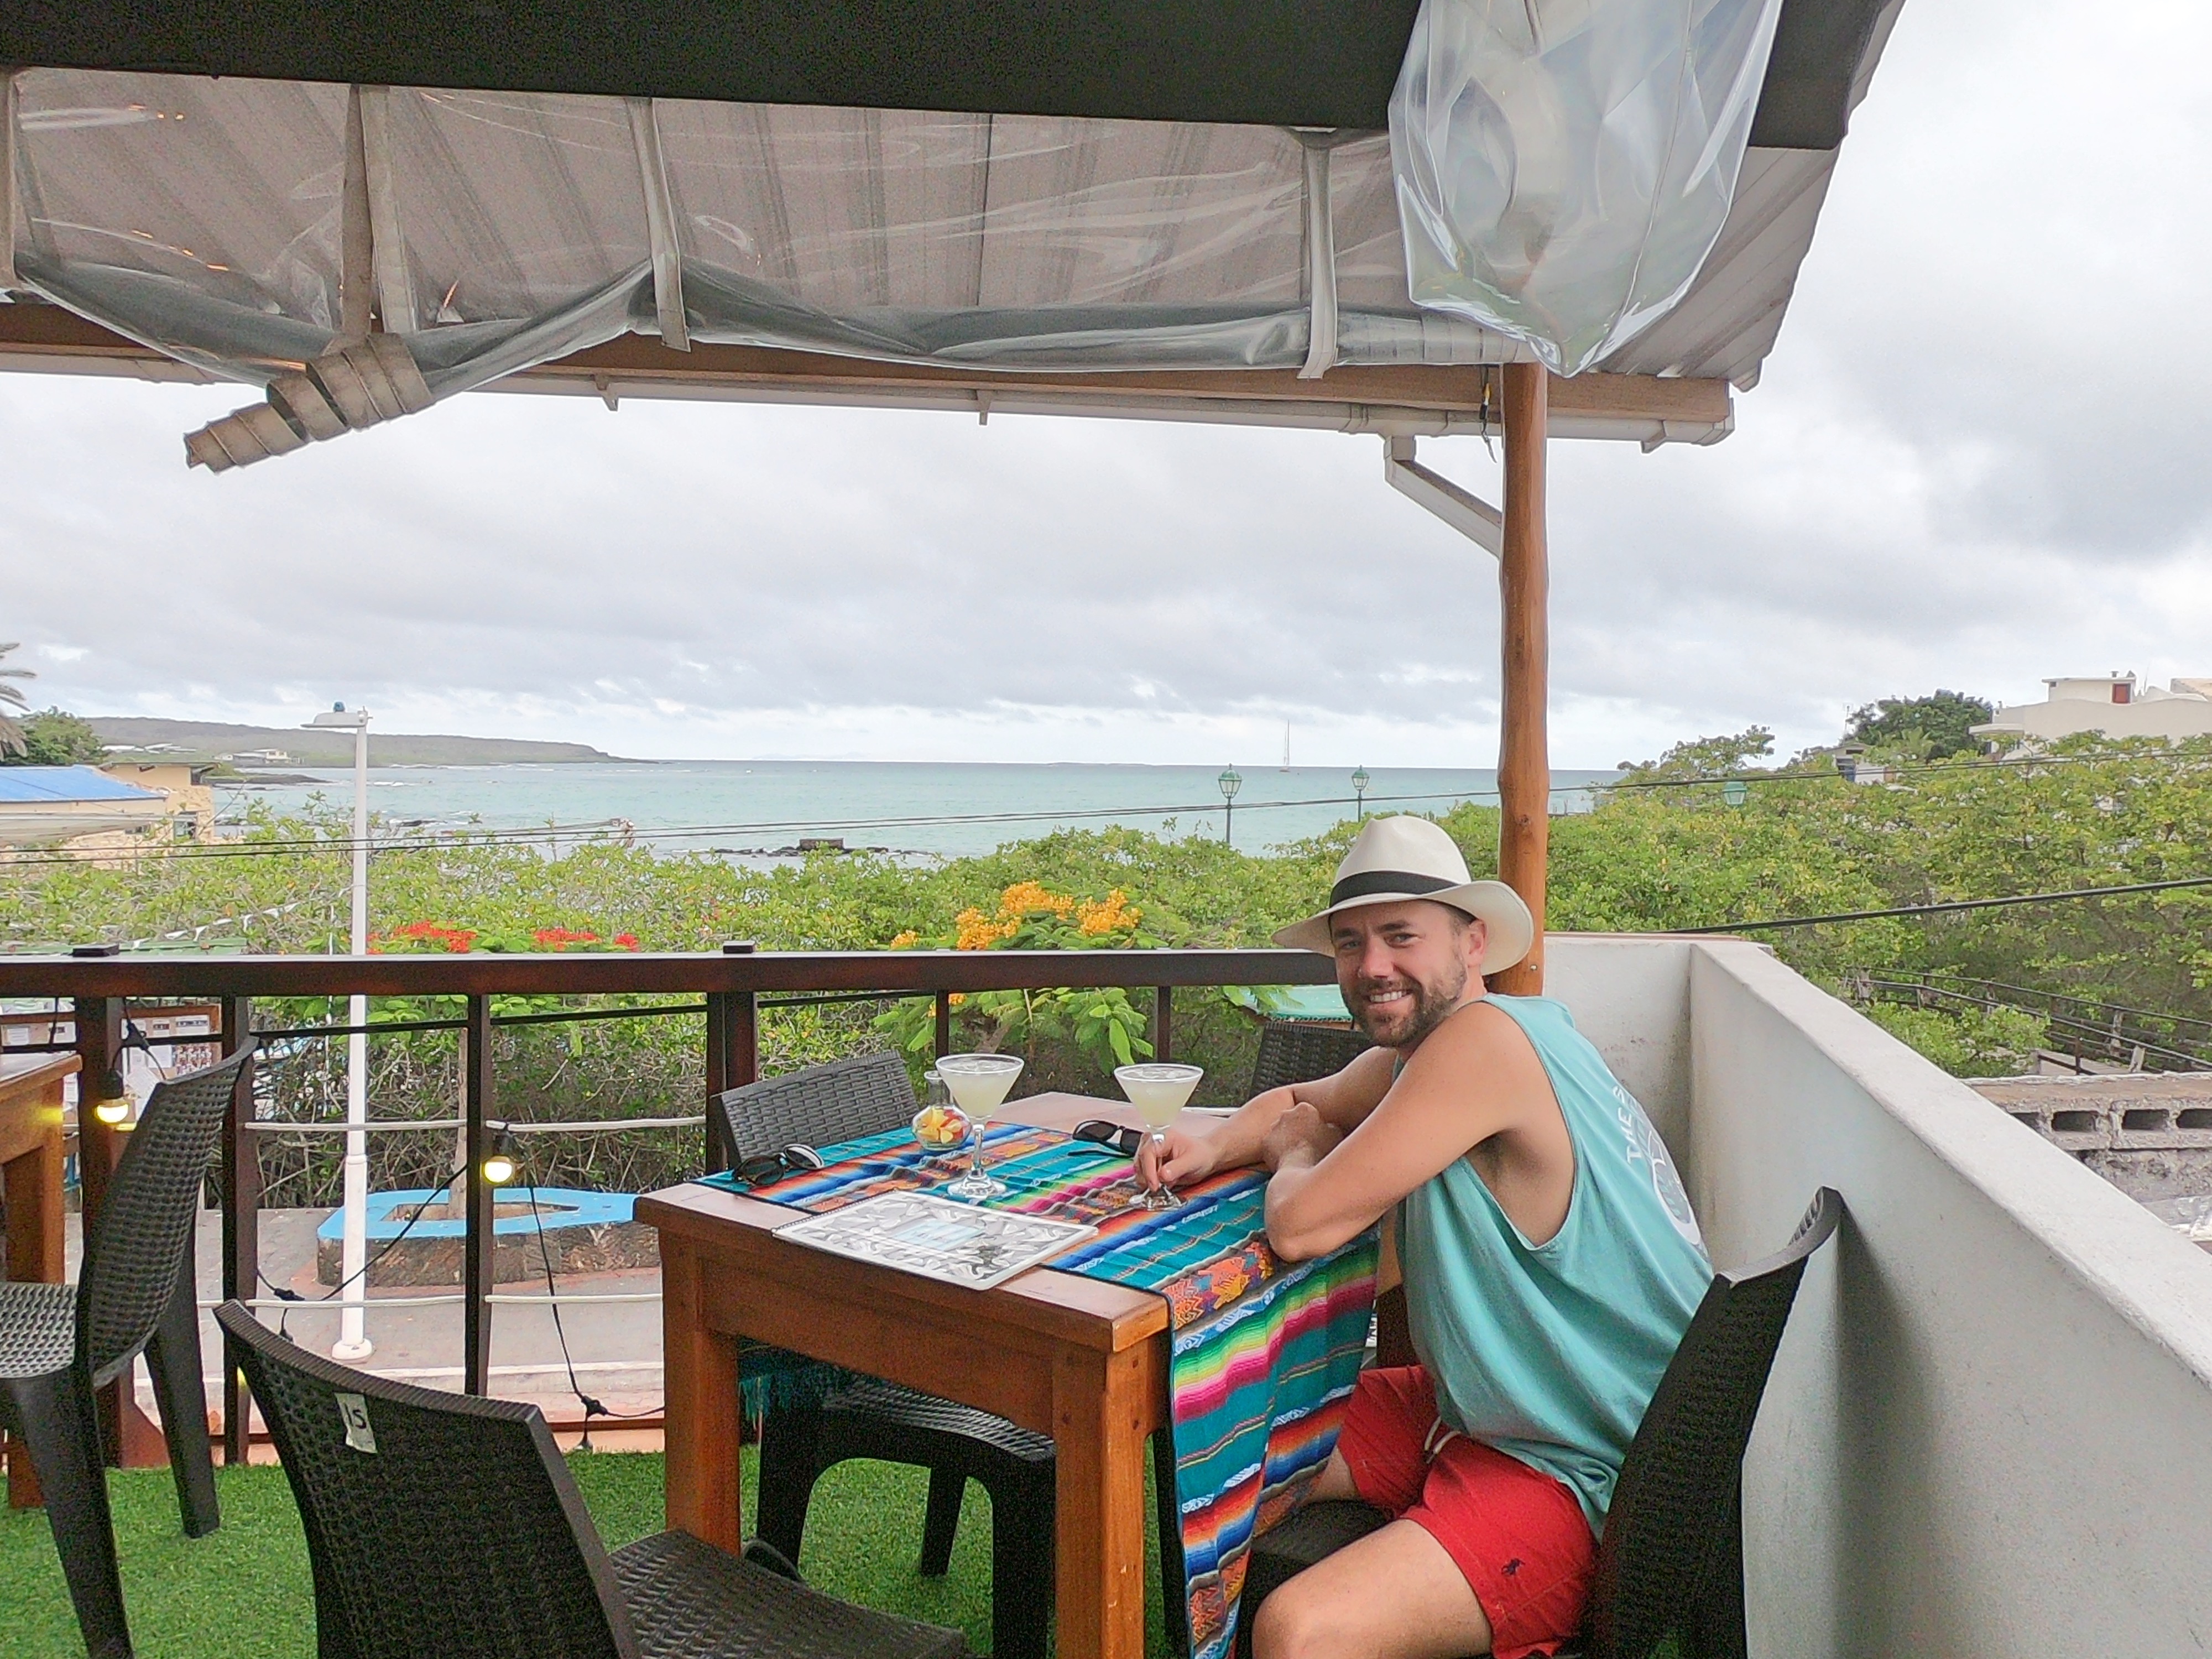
[(352, 1343)]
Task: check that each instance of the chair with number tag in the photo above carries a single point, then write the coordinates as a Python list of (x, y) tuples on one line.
[(443, 1522)]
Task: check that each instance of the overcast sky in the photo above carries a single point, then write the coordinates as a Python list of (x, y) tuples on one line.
[(1975, 460)]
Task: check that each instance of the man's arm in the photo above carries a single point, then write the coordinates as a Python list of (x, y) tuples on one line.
[(1343, 1100), (1476, 1076)]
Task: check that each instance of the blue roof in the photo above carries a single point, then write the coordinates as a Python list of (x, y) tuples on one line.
[(43, 784)]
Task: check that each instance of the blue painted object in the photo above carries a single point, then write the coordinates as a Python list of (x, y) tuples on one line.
[(41, 784), (560, 1206)]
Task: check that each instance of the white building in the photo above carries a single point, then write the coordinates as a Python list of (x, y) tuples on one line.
[(2112, 704)]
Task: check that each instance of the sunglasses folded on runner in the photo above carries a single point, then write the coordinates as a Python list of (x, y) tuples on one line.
[(770, 1167), (1113, 1137)]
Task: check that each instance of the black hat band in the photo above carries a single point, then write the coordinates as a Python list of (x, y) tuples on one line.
[(1368, 882)]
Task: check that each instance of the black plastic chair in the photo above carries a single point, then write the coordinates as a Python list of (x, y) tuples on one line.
[(442, 1523), (134, 1294), (1671, 1561), (1292, 1053), (867, 1418)]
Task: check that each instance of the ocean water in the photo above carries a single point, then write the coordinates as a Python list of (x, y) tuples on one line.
[(760, 810)]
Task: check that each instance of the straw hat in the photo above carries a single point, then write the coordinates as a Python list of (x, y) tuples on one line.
[(1400, 857)]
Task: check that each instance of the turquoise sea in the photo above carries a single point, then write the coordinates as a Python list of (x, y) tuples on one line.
[(761, 809)]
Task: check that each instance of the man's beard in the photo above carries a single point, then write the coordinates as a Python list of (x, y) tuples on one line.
[(1402, 1028)]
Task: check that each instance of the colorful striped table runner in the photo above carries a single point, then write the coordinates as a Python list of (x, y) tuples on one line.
[(1265, 1353)]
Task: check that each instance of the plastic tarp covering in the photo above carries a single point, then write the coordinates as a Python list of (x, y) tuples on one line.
[(207, 219), (1564, 167)]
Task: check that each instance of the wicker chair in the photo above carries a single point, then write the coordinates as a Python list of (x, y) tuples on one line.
[(442, 1524), (1671, 1563), (1298, 1054), (840, 1101), (135, 1294)]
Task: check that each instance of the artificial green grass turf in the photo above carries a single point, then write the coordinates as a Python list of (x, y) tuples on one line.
[(243, 1592)]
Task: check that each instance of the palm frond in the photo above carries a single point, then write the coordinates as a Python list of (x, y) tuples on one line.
[(12, 694), (12, 740)]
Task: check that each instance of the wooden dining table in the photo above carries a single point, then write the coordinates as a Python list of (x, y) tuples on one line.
[(31, 1185), (1080, 1359)]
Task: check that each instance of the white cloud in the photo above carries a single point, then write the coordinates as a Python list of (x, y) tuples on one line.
[(1972, 462)]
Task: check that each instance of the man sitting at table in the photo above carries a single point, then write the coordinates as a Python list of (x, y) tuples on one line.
[(1550, 1257)]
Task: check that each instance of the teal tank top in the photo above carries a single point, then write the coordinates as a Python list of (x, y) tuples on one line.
[(1551, 1352)]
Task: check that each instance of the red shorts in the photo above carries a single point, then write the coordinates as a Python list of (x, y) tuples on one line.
[(1516, 1534)]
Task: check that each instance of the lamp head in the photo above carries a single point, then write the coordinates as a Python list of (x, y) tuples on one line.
[(1360, 779), (111, 1101), (1230, 781), (504, 1158)]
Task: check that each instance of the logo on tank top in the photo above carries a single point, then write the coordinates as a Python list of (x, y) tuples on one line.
[(1642, 1143)]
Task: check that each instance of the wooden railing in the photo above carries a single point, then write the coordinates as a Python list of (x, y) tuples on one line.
[(734, 985)]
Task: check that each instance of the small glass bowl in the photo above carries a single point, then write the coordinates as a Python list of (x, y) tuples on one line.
[(940, 1129)]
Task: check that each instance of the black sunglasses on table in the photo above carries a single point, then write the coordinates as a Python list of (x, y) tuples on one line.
[(769, 1168)]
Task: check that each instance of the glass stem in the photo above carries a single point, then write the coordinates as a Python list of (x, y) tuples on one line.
[(1160, 1157), (975, 1155)]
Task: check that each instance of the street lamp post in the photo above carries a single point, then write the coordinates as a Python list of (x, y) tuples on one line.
[(1230, 781), (352, 1343), (1359, 783)]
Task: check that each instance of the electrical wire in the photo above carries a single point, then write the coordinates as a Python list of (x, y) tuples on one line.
[(592, 1407), (362, 1272), (554, 834), (598, 829), (1946, 906)]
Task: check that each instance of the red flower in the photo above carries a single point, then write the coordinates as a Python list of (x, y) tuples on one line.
[(626, 941), (556, 939)]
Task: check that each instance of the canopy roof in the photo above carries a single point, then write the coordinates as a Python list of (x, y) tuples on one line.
[(1128, 226), (1263, 62)]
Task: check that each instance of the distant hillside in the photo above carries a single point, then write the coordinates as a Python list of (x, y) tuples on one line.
[(204, 740)]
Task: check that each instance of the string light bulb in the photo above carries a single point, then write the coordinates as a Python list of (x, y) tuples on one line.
[(505, 1156), (112, 1101)]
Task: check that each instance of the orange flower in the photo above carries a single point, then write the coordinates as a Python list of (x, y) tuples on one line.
[(905, 940), (1114, 915), (974, 931), (1024, 897)]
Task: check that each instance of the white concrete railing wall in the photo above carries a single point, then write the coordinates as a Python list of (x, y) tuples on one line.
[(1989, 1429), (1630, 994)]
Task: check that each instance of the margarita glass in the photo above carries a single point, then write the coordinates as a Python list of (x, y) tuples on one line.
[(1159, 1092), (978, 1084)]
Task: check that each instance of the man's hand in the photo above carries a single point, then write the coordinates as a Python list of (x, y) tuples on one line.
[(1189, 1158), (1300, 1137)]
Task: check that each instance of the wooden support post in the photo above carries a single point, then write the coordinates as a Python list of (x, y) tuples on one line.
[(478, 1243), (733, 1053), (1164, 1022), (242, 1225), (127, 1434), (1524, 767), (716, 1153), (744, 1038), (99, 1051), (942, 1038), (732, 1062)]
